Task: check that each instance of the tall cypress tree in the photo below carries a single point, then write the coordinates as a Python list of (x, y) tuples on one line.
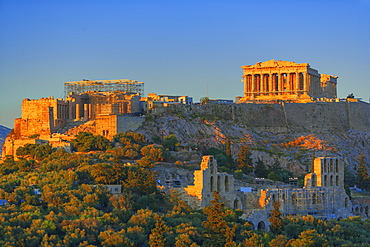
[(362, 175), (276, 222)]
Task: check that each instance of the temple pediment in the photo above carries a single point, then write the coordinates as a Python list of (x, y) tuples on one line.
[(275, 64)]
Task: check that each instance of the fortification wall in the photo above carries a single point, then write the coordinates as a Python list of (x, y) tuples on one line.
[(325, 117)]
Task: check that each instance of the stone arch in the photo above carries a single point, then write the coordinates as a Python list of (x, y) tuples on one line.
[(294, 199), (261, 225), (331, 180), (314, 198), (337, 180), (323, 198), (356, 209), (273, 198), (331, 165), (236, 204), (227, 183), (211, 183), (361, 209), (313, 180), (218, 183), (211, 166)]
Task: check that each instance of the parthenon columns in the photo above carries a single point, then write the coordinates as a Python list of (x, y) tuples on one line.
[(276, 83)]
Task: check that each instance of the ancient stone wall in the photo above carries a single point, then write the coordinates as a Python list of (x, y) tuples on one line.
[(320, 117)]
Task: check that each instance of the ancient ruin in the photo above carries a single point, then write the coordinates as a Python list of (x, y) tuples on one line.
[(323, 195), (289, 81), (105, 107)]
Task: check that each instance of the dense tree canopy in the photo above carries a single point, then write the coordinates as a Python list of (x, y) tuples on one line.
[(56, 198)]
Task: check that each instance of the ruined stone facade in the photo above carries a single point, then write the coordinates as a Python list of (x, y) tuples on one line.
[(281, 80), (207, 180), (105, 112), (153, 100), (322, 196), (48, 115)]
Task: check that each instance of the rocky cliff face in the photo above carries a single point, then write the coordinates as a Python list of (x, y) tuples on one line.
[(4, 131), (289, 134)]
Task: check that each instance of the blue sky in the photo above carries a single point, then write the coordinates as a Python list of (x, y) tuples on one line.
[(175, 47)]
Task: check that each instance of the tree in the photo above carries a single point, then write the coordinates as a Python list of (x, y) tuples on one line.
[(218, 232), (260, 170), (362, 175), (244, 162), (83, 142), (153, 152), (101, 143), (156, 237), (273, 176), (170, 142), (204, 100), (276, 222), (228, 154), (279, 241)]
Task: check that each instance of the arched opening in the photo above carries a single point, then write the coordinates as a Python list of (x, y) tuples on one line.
[(273, 198), (336, 166), (323, 198), (361, 209), (313, 180), (356, 209), (314, 199), (331, 165), (261, 225), (325, 180), (211, 184), (325, 170), (236, 204), (211, 167), (226, 183), (294, 199), (218, 183), (331, 180), (336, 180)]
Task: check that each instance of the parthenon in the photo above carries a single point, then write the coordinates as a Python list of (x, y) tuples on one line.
[(281, 80)]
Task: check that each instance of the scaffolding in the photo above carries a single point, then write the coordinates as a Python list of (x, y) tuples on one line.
[(122, 85), (316, 201)]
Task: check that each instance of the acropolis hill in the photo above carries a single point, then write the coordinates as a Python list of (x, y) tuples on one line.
[(280, 98)]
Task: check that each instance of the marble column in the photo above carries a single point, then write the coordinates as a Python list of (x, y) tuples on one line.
[(270, 83), (245, 85), (252, 82)]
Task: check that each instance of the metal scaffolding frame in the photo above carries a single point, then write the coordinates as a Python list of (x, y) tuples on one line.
[(300, 201), (122, 85)]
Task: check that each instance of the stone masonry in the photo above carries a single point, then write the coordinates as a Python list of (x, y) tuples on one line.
[(322, 196)]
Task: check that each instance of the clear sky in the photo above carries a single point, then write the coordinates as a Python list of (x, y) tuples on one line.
[(175, 47)]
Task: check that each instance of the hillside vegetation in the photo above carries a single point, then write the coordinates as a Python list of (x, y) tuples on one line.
[(55, 198)]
